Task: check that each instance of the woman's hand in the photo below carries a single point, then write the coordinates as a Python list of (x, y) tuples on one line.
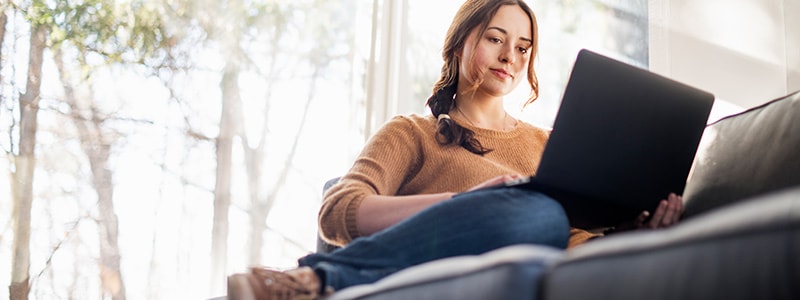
[(499, 180), (667, 213)]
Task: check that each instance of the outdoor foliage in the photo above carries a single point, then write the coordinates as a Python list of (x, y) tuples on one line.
[(126, 111)]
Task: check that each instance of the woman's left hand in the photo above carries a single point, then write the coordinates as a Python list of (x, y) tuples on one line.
[(668, 213)]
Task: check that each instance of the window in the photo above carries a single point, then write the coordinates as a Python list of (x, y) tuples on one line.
[(291, 75)]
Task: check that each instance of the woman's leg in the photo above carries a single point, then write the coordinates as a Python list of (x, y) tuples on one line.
[(469, 223)]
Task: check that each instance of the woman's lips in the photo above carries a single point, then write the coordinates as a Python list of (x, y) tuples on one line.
[(502, 74)]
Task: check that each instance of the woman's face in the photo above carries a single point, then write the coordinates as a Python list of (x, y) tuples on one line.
[(500, 56)]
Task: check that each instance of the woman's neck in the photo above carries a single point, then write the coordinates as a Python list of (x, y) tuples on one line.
[(487, 113)]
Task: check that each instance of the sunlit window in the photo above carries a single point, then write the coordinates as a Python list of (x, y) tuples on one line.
[(177, 141)]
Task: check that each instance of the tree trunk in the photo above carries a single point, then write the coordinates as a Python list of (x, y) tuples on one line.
[(261, 206), (99, 151), (3, 21), (24, 165), (222, 188), (254, 163), (97, 148)]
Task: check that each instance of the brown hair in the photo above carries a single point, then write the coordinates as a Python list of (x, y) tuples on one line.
[(472, 14)]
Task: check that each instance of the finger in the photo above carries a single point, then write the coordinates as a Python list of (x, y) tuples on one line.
[(680, 208), (639, 221), (511, 176), (670, 212), (658, 215), (498, 180), (677, 207), (642, 217)]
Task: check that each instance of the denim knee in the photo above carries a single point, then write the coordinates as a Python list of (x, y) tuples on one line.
[(523, 217)]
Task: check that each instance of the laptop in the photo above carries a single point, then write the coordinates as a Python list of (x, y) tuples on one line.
[(623, 139)]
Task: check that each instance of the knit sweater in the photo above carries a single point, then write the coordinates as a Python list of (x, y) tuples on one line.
[(404, 158)]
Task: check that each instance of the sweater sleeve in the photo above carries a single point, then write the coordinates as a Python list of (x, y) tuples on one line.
[(390, 157), (578, 237)]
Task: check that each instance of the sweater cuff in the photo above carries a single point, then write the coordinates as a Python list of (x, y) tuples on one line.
[(579, 236), (350, 217)]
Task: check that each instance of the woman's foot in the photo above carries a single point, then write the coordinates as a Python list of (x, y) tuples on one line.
[(261, 283)]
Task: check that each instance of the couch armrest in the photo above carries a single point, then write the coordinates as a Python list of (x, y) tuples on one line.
[(744, 251), (507, 273)]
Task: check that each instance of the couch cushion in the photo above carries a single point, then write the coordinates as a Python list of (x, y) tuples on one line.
[(747, 154), (507, 273), (743, 251)]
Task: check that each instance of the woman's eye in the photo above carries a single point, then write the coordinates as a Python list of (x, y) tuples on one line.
[(523, 50), (495, 40)]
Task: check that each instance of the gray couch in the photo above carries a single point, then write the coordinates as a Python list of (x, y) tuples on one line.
[(739, 237)]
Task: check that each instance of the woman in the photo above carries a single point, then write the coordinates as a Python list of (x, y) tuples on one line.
[(421, 188)]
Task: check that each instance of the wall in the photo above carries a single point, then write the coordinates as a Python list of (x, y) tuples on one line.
[(792, 17), (746, 52)]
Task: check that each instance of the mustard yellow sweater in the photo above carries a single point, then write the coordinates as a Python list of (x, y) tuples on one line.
[(403, 158)]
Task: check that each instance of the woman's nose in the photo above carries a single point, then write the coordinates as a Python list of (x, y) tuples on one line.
[(507, 55)]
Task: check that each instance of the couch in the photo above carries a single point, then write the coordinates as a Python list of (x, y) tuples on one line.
[(739, 237)]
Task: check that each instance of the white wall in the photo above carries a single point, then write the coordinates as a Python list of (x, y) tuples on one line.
[(746, 52), (792, 17)]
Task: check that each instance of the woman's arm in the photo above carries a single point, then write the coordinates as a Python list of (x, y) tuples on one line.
[(378, 212), (392, 154)]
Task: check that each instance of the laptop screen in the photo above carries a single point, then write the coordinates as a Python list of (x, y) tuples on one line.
[(623, 136)]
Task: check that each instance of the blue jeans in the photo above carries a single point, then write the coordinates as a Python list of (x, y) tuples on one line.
[(469, 223)]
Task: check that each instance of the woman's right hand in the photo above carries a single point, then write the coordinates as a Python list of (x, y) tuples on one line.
[(499, 180)]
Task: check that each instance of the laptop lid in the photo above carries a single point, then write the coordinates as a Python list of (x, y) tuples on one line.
[(623, 139)]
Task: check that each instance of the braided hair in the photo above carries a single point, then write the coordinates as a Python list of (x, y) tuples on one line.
[(449, 132)]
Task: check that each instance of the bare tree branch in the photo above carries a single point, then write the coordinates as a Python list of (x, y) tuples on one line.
[(58, 245)]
